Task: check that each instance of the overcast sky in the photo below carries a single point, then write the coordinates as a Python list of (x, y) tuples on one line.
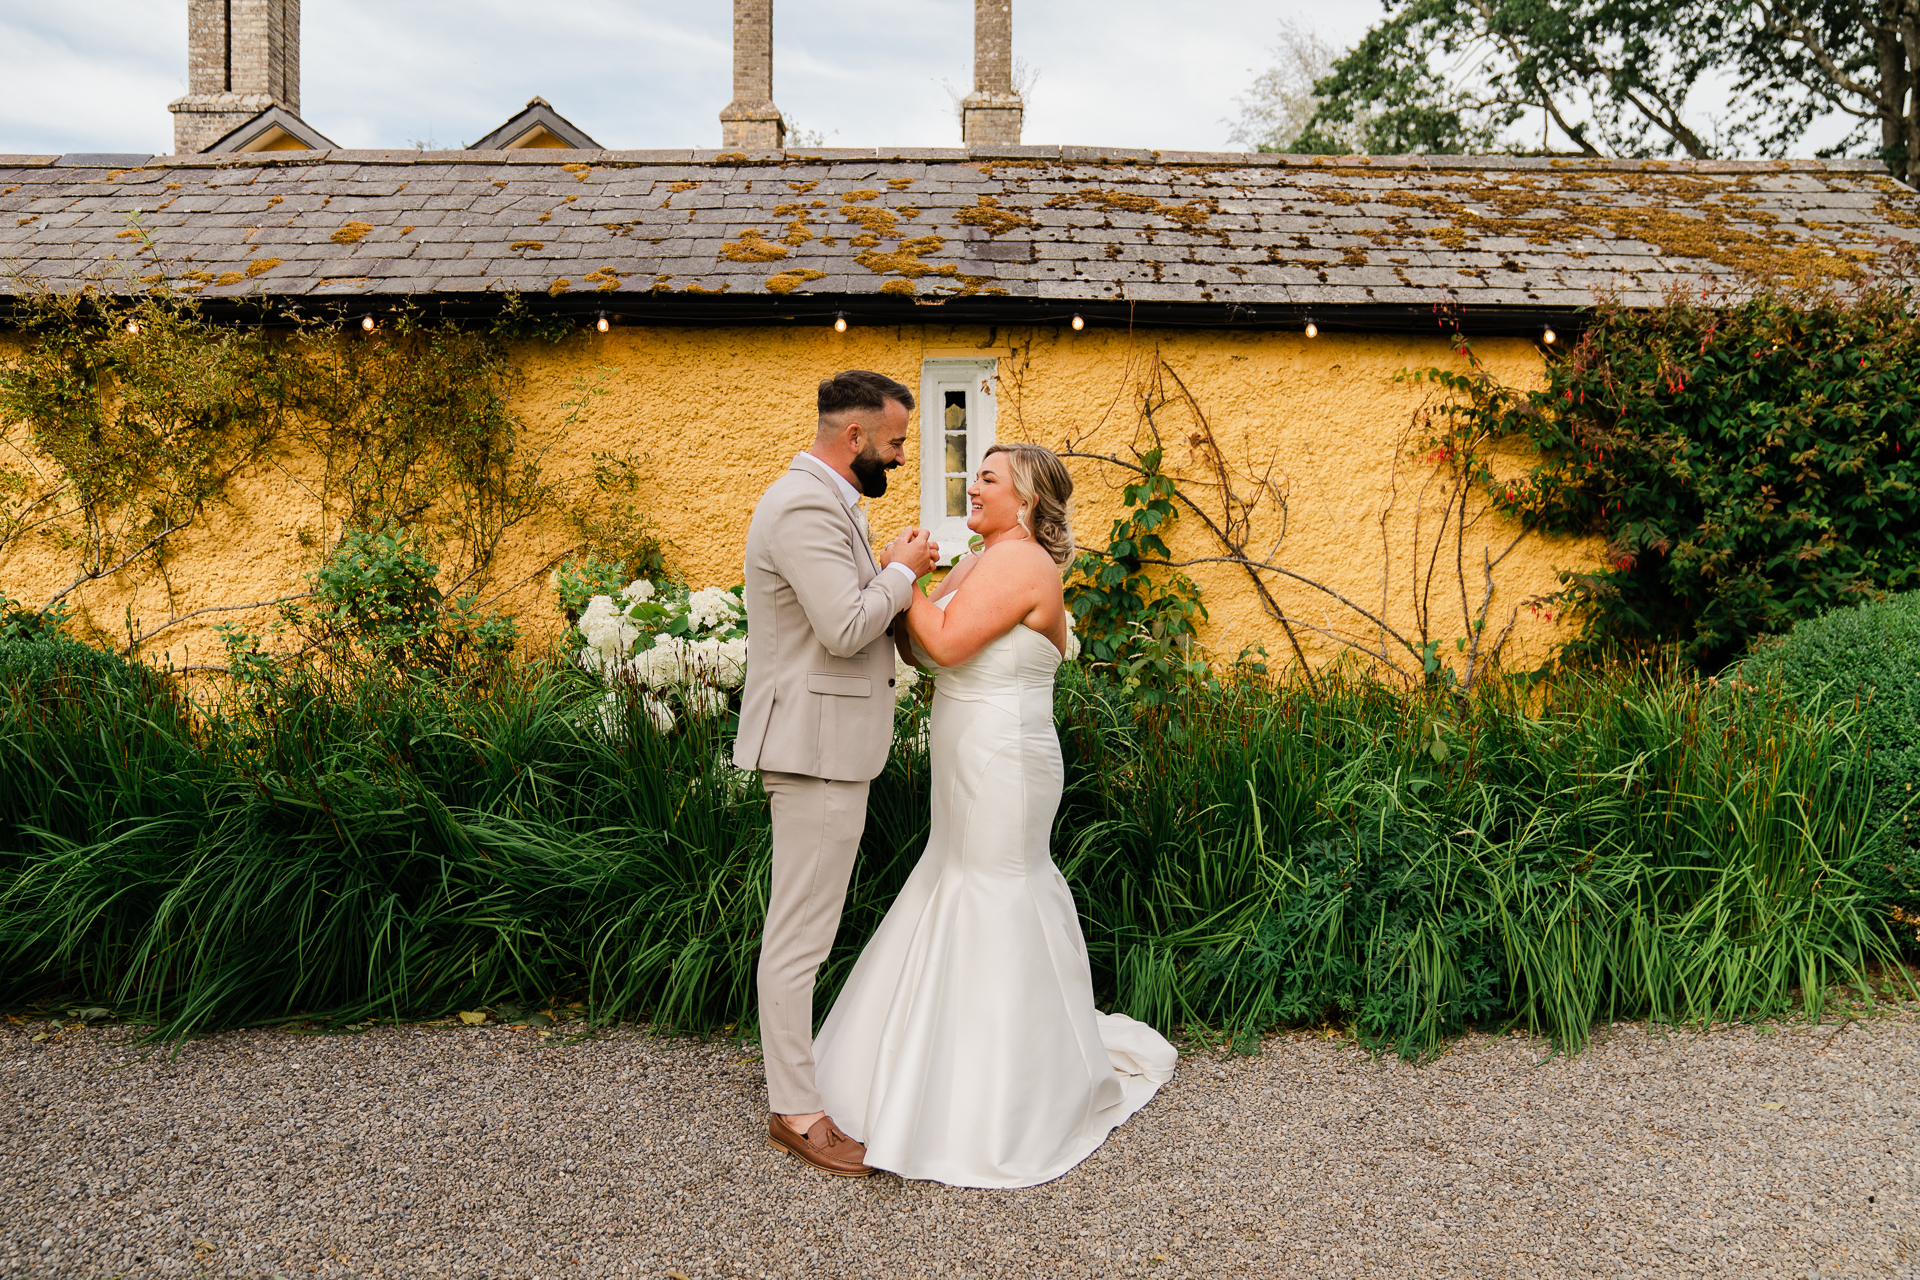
[(96, 75)]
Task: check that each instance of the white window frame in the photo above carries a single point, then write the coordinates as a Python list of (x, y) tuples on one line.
[(977, 380)]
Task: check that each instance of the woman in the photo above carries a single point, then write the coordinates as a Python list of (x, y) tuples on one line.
[(965, 1046)]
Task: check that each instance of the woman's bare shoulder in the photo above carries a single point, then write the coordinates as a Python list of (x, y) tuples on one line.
[(962, 569), (1015, 566), (1005, 562)]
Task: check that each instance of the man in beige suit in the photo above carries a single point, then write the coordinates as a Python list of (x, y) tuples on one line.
[(816, 717)]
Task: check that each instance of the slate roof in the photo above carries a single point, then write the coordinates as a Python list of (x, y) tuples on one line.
[(1006, 231)]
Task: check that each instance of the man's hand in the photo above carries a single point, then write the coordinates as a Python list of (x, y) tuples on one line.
[(915, 548)]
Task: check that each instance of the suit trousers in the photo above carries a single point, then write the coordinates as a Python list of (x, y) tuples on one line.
[(816, 833)]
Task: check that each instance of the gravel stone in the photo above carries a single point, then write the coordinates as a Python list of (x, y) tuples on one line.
[(492, 1152)]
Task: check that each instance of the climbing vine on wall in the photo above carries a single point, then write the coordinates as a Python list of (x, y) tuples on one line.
[(1748, 458), (1437, 506), (125, 423)]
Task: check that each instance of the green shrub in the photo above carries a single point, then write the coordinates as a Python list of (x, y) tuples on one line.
[(34, 651), (1244, 854), (1751, 460), (1135, 627), (376, 609), (1867, 657)]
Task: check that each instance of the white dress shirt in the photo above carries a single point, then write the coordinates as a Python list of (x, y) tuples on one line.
[(850, 496)]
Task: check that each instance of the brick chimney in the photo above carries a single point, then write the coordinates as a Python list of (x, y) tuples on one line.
[(243, 56), (991, 113), (751, 122)]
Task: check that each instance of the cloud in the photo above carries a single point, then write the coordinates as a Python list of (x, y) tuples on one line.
[(96, 75)]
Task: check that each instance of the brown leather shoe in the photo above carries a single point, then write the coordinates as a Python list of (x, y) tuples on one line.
[(824, 1147)]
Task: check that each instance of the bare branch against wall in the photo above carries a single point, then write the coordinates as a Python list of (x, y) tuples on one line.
[(1451, 511)]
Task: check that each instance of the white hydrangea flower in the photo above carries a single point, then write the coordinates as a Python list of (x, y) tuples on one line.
[(599, 613), (712, 607), (658, 711), (704, 701), (607, 630), (733, 656), (905, 677), (639, 591), (720, 664), (661, 667)]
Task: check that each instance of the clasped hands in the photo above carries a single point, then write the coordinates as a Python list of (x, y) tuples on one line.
[(915, 548)]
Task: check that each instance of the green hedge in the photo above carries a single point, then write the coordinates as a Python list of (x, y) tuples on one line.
[(1750, 461), (1244, 856), (1865, 661)]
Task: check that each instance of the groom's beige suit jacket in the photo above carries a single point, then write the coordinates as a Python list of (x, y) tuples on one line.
[(819, 692)]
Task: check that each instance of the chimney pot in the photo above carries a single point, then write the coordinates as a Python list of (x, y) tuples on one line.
[(751, 122), (243, 56), (992, 113)]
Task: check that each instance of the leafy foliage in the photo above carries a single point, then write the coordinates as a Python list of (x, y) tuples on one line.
[(581, 578), (1864, 660), (1247, 855), (1613, 77), (1275, 111), (134, 426), (1749, 461), (619, 542), (127, 421), (46, 659), (375, 611), (1139, 627)]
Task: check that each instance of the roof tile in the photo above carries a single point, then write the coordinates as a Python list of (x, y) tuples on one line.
[(1034, 221)]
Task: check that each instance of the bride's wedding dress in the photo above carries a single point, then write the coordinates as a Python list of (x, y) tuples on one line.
[(965, 1046)]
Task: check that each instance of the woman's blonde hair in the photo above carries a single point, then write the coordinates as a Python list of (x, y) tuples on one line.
[(1045, 489)]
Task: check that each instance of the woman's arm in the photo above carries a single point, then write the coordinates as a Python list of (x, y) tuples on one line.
[(1001, 587), (902, 636)]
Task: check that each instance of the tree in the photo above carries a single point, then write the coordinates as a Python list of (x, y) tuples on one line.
[(1858, 57), (1614, 78), (1275, 112)]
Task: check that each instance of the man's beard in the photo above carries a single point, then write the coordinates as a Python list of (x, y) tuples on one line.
[(870, 469)]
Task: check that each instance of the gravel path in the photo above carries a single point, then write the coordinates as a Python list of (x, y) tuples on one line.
[(415, 1151)]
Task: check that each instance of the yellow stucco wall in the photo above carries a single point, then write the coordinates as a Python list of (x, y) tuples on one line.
[(716, 413)]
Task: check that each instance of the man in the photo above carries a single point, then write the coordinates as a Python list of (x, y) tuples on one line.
[(816, 717)]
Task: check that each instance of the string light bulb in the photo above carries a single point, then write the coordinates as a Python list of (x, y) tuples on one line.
[(133, 326), (1547, 335), (601, 323), (839, 322), (1078, 322), (1313, 330), (366, 322)]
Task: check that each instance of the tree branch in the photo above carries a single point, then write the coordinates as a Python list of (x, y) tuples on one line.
[(92, 575), (1792, 26), (139, 640)]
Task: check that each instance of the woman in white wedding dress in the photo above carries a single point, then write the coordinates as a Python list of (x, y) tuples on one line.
[(965, 1046)]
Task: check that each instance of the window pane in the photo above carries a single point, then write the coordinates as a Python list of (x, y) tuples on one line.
[(956, 452), (956, 410), (956, 495)]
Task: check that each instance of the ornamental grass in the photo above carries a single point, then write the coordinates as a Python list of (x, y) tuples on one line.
[(1247, 854)]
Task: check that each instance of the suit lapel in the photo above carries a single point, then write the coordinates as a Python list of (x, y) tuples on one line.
[(861, 537)]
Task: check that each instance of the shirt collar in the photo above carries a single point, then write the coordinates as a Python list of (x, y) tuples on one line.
[(848, 494)]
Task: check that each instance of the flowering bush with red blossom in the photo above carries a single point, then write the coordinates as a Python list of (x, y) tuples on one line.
[(1747, 455)]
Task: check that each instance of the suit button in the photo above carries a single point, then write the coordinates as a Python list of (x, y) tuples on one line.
[(889, 684), (889, 630)]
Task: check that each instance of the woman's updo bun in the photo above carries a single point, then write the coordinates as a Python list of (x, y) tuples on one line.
[(1045, 488)]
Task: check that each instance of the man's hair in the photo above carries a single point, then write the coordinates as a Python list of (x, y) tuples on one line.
[(861, 389)]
